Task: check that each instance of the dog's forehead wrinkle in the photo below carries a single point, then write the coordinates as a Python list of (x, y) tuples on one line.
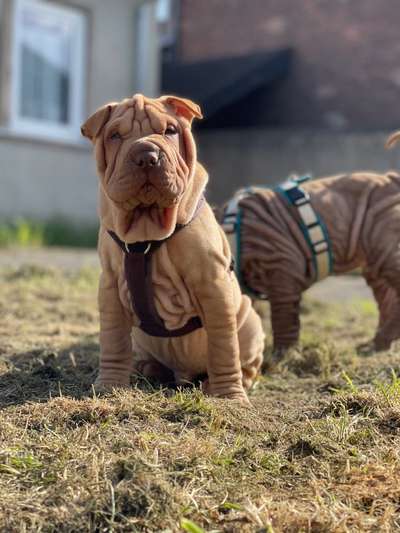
[(154, 104), (167, 112), (156, 119), (136, 129), (133, 117), (140, 114), (126, 122), (146, 127), (119, 111), (138, 101)]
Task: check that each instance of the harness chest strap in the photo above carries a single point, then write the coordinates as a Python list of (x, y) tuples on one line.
[(138, 272)]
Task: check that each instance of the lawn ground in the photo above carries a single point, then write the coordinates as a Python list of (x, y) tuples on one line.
[(319, 450)]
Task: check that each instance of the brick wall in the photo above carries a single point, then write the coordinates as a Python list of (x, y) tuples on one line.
[(346, 69)]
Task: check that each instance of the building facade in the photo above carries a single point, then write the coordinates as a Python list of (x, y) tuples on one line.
[(326, 111), (60, 60), (345, 73)]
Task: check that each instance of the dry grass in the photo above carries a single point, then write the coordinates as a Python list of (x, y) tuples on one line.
[(318, 452)]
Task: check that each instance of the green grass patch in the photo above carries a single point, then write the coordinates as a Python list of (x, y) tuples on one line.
[(55, 231)]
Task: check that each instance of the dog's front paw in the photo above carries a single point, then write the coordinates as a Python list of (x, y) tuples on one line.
[(235, 393), (107, 385), (240, 398)]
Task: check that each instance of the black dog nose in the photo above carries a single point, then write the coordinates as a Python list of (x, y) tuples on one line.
[(147, 158)]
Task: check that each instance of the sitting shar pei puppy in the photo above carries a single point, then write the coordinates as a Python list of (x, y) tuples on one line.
[(167, 293), (291, 236)]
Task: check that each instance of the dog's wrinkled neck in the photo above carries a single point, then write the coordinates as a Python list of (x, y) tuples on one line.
[(190, 198)]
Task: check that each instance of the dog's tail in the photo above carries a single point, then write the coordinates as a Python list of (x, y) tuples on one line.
[(392, 140)]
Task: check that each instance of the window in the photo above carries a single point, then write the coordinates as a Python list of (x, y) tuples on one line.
[(163, 11), (144, 41), (155, 41), (48, 61), (167, 14)]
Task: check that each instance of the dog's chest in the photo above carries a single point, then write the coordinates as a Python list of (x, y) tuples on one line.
[(172, 297)]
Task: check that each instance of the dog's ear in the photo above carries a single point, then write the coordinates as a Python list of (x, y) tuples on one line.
[(183, 107), (393, 139), (95, 123)]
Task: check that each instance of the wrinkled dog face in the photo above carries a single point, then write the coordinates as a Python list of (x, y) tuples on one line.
[(146, 157)]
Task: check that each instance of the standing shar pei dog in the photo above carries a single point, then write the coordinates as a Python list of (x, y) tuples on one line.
[(291, 236), (167, 292)]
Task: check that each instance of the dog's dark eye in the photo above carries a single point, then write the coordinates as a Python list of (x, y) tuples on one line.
[(171, 130), (115, 136)]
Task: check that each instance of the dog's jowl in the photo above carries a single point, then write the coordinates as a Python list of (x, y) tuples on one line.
[(168, 299)]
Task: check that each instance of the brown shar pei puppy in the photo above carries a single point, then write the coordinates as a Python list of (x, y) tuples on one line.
[(361, 213), (151, 185)]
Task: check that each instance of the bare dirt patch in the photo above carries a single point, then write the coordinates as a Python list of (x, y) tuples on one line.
[(319, 451)]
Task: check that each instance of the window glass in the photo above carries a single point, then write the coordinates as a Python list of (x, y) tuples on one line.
[(48, 68), (45, 65), (163, 10)]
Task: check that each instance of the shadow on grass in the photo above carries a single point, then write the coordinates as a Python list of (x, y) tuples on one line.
[(41, 374)]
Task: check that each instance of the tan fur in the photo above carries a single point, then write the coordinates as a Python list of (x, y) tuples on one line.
[(362, 215), (190, 273)]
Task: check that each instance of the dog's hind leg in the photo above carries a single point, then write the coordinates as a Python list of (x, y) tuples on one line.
[(152, 369), (251, 342), (285, 297), (386, 290), (386, 300)]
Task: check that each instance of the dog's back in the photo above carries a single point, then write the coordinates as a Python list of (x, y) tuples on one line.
[(348, 205)]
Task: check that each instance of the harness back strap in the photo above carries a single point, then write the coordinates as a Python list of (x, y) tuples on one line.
[(138, 272), (311, 225)]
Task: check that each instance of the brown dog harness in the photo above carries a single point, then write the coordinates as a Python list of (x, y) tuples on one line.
[(138, 276)]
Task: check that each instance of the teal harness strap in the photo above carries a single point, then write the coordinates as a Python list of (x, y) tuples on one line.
[(232, 226), (311, 224)]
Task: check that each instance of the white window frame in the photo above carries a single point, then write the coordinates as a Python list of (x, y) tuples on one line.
[(41, 128), (163, 10), (146, 50), (166, 13)]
